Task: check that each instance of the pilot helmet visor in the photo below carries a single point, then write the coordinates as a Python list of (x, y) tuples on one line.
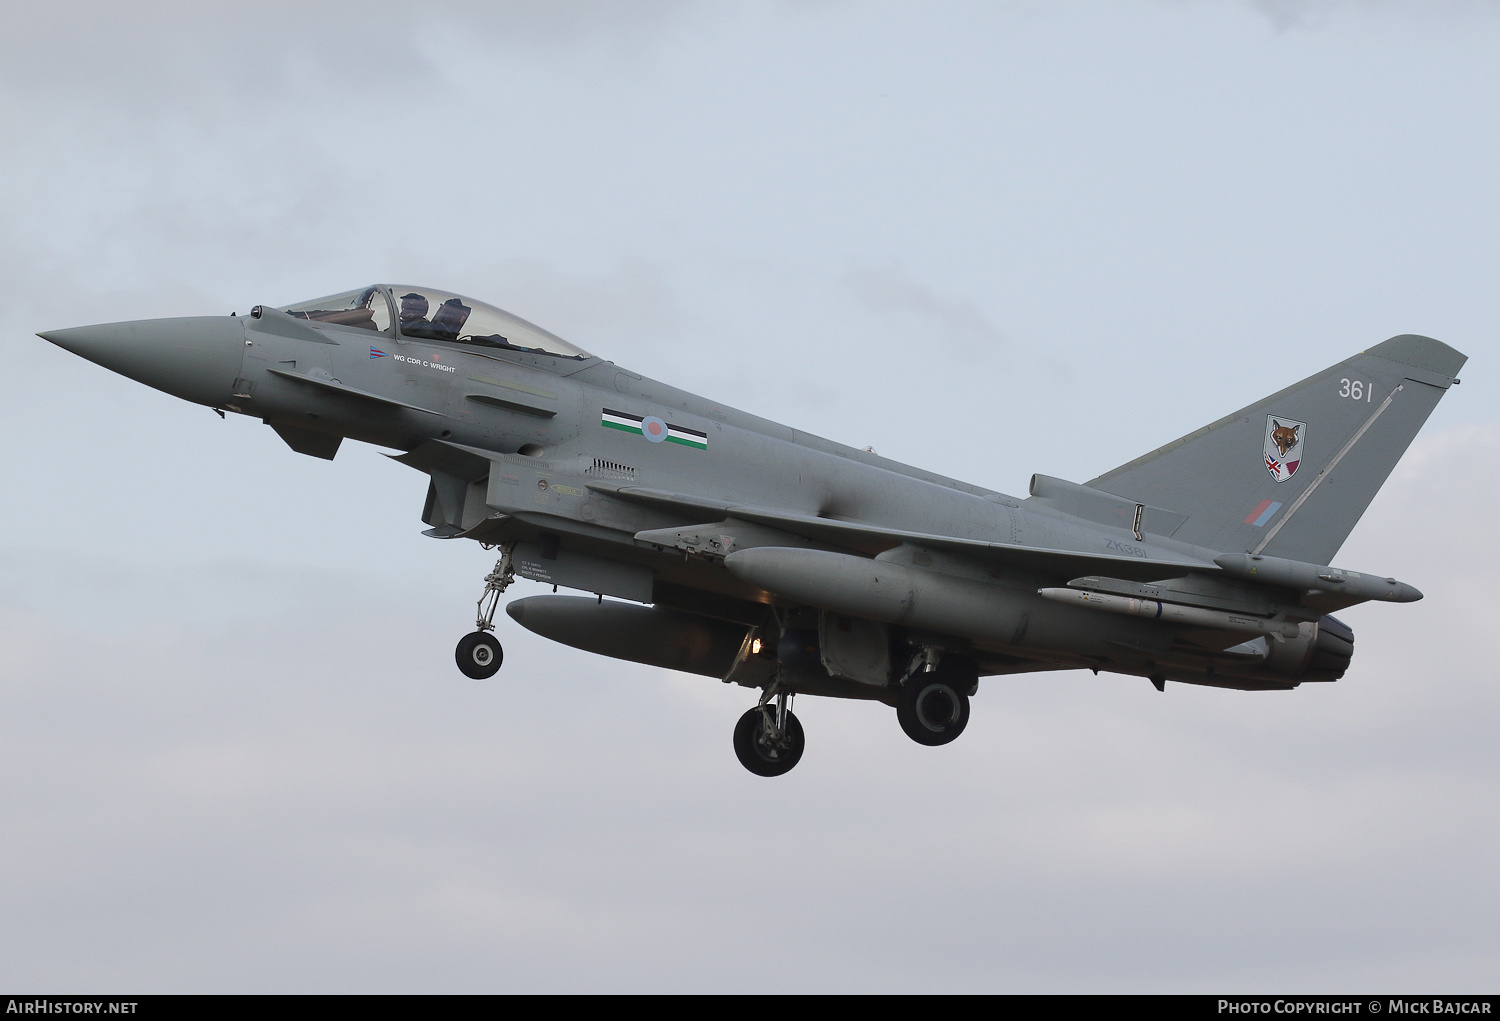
[(413, 306)]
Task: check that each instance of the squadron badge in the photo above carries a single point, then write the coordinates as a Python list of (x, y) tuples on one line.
[(1283, 448)]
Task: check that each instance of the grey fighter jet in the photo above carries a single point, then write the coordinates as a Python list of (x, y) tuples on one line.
[(744, 550)]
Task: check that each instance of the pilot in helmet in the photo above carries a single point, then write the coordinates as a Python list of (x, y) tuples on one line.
[(449, 319), (413, 309)]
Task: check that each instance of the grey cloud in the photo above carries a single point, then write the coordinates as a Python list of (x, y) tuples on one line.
[(888, 290), (1287, 14), (217, 60)]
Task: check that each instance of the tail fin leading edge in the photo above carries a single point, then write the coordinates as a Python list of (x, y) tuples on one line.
[(1291, 474)]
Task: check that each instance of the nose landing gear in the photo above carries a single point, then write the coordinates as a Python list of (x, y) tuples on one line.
[(768, 739), (479, 654)]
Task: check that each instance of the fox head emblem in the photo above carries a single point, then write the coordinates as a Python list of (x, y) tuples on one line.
[(1284, 436)]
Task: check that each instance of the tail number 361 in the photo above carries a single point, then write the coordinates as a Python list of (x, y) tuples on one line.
[(1357, 390)]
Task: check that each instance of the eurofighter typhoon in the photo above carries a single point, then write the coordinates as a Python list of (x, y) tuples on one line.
[(740, 549)]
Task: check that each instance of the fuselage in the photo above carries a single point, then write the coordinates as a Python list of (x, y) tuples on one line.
[(563, 458)]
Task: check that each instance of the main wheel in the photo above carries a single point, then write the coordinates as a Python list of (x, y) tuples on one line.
[(479, 655), (933, 708), (763, 754)]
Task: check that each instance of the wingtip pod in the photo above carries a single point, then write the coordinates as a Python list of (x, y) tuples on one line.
[(1421, 352), (1299, 575)]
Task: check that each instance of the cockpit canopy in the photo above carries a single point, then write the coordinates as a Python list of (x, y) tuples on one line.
[(426, 314)]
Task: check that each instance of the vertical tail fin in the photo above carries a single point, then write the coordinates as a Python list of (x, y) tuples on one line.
[(1291, 474)]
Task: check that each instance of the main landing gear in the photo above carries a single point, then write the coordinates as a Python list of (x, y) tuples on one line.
[(768, 739), (933, 704), (479, 654)]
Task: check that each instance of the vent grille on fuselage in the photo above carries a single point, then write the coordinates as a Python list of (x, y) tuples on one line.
[(610, 469)]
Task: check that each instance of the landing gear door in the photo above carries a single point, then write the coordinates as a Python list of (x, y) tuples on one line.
[(855, 649)]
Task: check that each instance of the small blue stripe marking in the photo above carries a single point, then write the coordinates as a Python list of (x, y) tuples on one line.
[(1267, 514)]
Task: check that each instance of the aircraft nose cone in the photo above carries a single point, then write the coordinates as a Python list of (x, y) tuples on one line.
[(197, 359)]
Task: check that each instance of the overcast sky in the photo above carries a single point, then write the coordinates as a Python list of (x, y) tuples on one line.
[(988, 239)]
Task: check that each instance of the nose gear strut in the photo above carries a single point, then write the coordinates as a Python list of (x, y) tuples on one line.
[(495, 583), (479, 654)]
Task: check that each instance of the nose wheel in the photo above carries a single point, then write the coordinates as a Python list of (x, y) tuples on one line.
[(768, 739), (479, 655)]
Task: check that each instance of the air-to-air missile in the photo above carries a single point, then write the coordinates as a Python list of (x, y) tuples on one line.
[(737, 548)]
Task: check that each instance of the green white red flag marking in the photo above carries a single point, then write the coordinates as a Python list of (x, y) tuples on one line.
[(654, 429)]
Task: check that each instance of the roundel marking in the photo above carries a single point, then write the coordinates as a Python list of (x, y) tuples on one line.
[(653, 428)]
